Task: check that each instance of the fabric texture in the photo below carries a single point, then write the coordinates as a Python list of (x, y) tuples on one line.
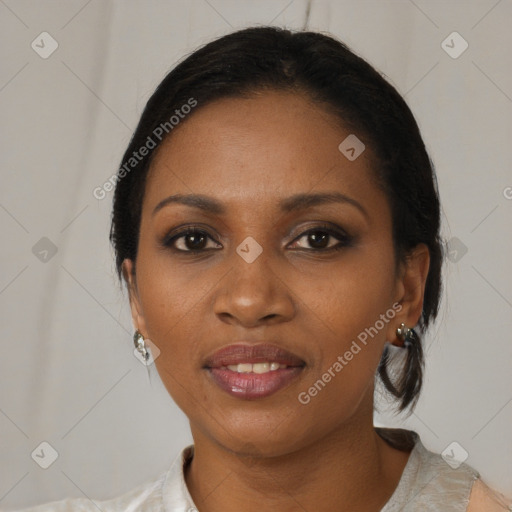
[(427, 484)]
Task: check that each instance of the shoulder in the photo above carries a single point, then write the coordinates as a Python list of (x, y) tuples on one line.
[(442, 480), (455, 478), (485, 499), (430, 481), (167, 490), (425, 466)]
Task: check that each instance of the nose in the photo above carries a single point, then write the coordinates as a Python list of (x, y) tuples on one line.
[(253, 294)]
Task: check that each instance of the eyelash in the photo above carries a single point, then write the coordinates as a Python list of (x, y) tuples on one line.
[(345, 240)]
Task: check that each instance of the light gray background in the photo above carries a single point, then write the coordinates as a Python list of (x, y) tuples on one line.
[(68, 375)]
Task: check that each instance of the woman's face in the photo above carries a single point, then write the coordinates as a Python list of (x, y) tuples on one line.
[(257, 276)]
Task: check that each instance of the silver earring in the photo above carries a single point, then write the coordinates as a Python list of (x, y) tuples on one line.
[(405, 334), (140, 345)]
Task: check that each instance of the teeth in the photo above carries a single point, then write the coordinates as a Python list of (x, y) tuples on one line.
[(264, 367), (261, 367)]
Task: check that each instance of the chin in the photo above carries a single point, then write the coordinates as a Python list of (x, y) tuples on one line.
[(253, 438)]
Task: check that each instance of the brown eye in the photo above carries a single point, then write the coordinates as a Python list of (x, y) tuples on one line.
[(190, 240), (319, 239)]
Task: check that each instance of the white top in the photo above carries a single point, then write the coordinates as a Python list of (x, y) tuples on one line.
[(427, 484)]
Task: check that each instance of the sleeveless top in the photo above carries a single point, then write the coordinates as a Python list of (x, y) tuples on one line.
[(427, 484)]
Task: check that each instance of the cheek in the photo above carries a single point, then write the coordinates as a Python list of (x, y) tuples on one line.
[(352, 310), (169, 290), (349, 297), (175, 297), (170, 299)]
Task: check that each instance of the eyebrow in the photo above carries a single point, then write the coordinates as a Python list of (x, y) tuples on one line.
[(289, 204)]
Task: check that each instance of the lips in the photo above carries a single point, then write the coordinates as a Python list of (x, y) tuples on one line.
[(242, 352), (251, 372)]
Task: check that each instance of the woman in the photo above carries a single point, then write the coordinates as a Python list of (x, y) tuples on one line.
[(276, 221)]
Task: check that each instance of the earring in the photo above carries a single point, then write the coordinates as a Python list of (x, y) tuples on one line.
[(406, 335), (140, 345)]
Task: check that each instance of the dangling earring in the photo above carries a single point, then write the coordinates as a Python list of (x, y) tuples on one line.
[(406, 335), (140, 345)]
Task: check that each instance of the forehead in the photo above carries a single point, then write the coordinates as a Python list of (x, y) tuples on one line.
[(272, 145)]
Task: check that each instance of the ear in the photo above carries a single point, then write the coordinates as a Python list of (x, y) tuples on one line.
[(128, 269), (410, 290)]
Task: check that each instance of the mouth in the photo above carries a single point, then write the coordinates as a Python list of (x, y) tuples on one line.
[(251, 372)]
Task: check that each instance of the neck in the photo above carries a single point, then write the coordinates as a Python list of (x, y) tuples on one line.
[(351, 465)]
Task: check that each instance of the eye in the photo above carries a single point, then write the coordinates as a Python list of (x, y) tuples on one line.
[(320, 236), (194, 240)]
